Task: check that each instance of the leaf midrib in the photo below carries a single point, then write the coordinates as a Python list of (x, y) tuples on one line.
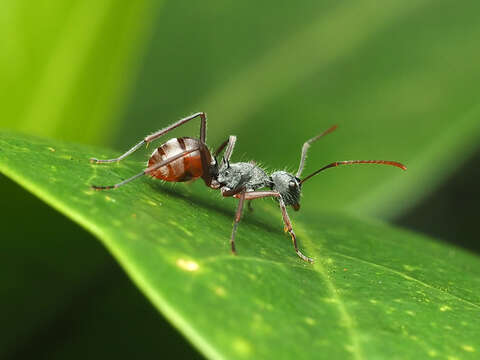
[(347, 320)]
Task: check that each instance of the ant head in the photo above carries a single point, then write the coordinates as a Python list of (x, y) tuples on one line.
[(289, 188)]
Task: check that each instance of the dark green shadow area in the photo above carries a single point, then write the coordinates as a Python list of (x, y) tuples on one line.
[(451, 212), (64, 297)]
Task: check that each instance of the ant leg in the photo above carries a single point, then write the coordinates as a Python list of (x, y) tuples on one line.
[(231, 144), (228, 152), (238, 216), (210, 180), (221, 147), (203, 127), (250, 207), (208, 175), (146, 171), (156, 135), (234, 192), (121, 157), (252, 195), (288, 227), (288, 224)]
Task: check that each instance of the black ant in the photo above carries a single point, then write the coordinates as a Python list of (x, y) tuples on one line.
[(185, 158)]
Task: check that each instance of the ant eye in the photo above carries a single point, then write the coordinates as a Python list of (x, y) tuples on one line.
[(226, 173), (292, 185)]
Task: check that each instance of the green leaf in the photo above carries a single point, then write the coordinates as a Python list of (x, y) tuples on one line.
[(374, 291), (400, 78)]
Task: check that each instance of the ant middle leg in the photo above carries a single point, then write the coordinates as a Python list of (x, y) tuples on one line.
[(230, 144), (229, 150), (157, 134), (238, 216), (221, 147)]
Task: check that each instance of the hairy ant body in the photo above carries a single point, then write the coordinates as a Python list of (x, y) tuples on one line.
[(182, 159)]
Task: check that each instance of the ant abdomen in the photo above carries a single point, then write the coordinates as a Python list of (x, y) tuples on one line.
[(185, 168)]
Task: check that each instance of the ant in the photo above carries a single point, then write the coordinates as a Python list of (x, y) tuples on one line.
[(182, 159)]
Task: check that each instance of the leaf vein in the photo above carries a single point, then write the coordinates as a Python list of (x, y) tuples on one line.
[(408, 277), (212, 259), (344, 314)]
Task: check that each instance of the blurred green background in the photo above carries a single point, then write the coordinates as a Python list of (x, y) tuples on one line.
[(400, 78)]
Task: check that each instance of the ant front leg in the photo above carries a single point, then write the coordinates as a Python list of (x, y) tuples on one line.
[(156, 135), (288, 227), (238, 216), (288, 224)]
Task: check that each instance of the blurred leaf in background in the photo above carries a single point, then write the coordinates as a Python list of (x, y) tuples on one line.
[(66, 66), (400, 78)]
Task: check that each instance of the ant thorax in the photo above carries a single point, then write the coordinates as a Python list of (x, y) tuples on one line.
[(242, 175), (288, 186)]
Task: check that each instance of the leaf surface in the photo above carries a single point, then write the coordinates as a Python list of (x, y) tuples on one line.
[(374, 292)]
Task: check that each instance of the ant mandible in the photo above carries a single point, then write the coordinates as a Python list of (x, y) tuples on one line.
[(182, 159)]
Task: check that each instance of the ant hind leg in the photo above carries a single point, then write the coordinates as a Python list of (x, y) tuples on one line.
[(146, 171), (156, 135)]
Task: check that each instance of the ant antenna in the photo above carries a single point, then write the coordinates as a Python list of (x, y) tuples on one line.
[(307, 144), (351, 162)]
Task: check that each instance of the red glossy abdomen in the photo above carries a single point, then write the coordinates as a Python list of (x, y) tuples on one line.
[(186, 168)]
